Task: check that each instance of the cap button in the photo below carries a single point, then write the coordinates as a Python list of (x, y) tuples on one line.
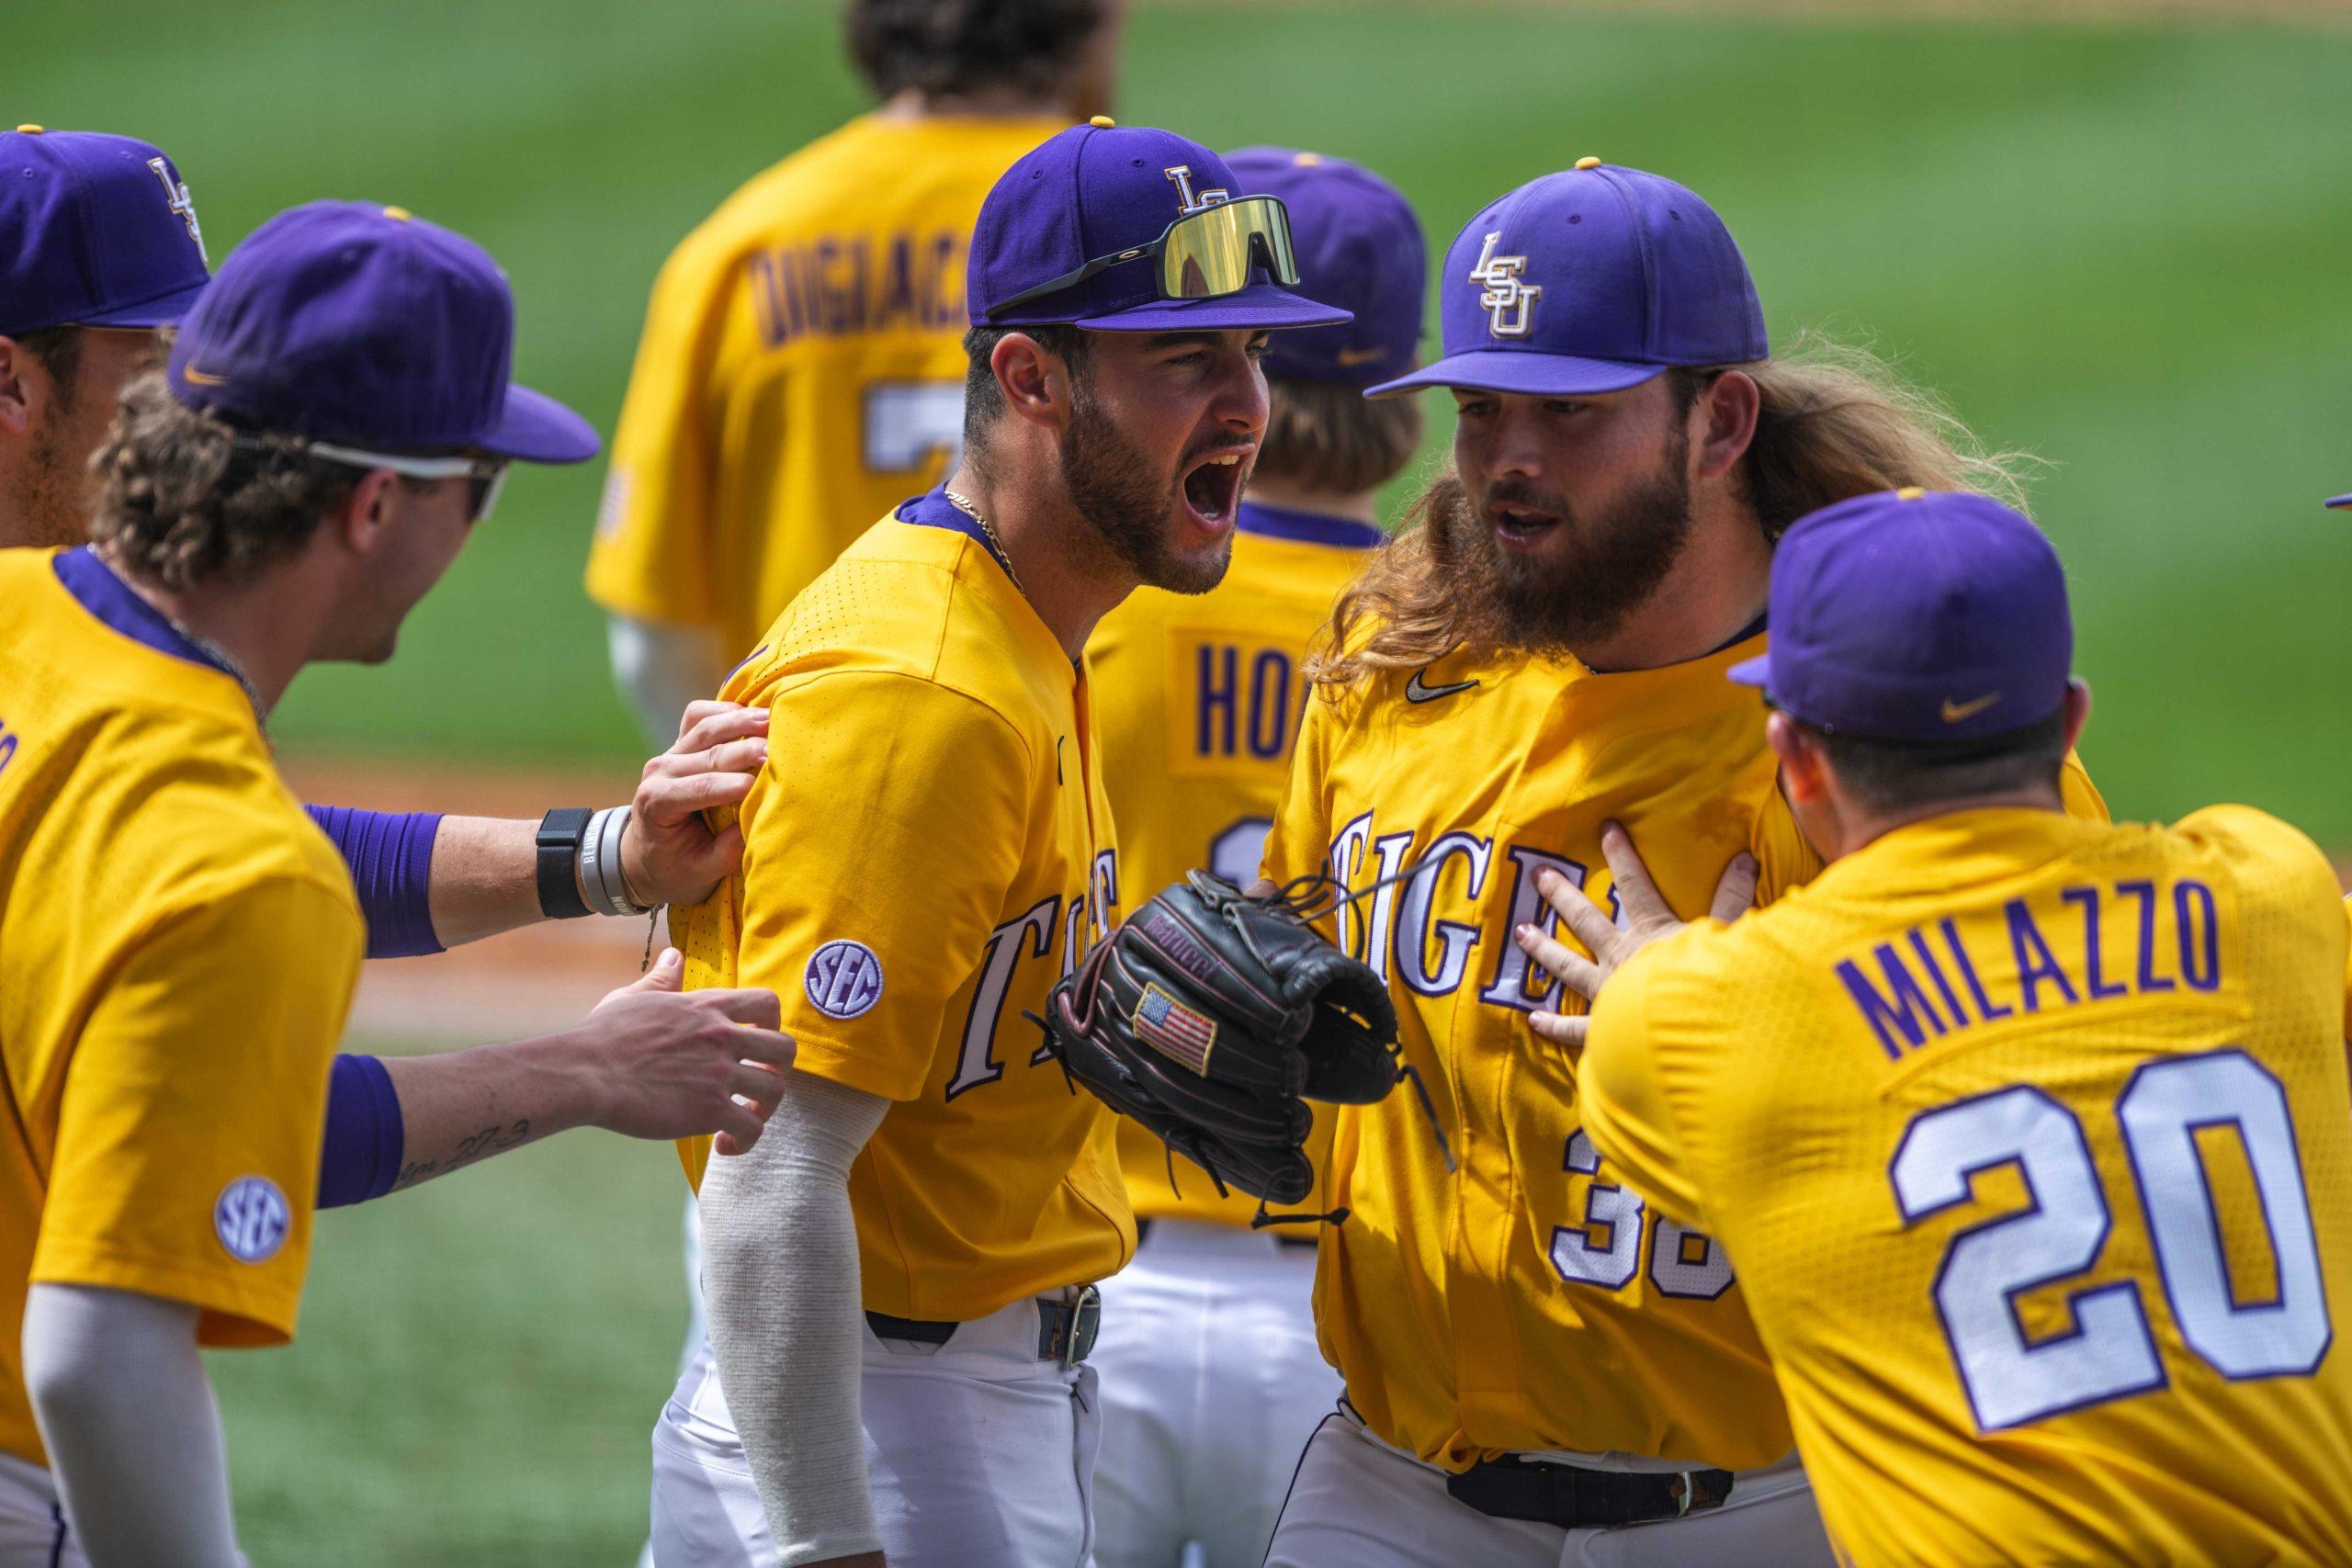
[(1587, 163), (28, 129), (1308, 160), (399, 214), (1909, 493), (1103, 122)]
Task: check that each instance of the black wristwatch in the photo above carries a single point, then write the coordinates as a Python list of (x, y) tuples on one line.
[(561, 831)]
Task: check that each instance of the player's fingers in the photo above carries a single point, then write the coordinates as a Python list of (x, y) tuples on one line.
[(761, 1050), (1590, 923), (729, 723), (739, 1129), (700, 709), (753, 1005), (671, 799), (746, 755), (1636, 894), (1560, 1029), (1262, 889), (1735, 894), (1564, 963), (667, 973), (761, 1086)]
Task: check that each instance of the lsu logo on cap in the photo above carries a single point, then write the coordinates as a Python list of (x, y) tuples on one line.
[(843, 979), (251, 1218), (1182, 176), (175, 197), (1508, 303)]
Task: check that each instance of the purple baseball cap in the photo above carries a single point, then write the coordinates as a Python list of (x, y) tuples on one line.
[(1092, 195), (2340, 500), (95, 231), (361, 325), (1919, 615), (1589, 280), (1360, 246)]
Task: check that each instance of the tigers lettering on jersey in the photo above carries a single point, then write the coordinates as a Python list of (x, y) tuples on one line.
[(179, 946), (966, 866), (2088, 1239), (859, 284), (1472, 1336), (1199, 699)]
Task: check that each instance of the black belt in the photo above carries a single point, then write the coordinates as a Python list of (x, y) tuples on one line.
[(1066, 1330), (1547, 1492)]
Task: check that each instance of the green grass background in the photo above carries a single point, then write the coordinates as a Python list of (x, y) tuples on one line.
[(2126, 248)]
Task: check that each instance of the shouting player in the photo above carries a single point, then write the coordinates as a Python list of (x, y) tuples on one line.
[(2069, 1098), (180, 943), (1210, 1379), (901, 1297), (1537, 1370), (102, 247), (800, 371)]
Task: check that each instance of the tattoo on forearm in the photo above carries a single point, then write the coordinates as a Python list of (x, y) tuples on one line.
[(471, 1148)]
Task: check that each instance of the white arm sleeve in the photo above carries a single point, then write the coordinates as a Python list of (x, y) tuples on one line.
[(660, 667), (779, 1273), (133, 1436)]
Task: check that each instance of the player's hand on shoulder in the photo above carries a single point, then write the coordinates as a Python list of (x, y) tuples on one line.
[(669, 1063), (669, 855), (1648, 918)]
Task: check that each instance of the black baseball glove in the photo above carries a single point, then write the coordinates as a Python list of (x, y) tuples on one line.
[(1211, 1017)]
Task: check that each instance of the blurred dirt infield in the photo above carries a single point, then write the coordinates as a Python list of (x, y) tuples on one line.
[(525, 982)]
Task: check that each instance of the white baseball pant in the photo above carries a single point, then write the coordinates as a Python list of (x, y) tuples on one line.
[(1211, 1384), (980, 1456), (1358, 1503)]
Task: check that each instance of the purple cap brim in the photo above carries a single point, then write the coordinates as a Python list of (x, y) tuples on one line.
[(1522, 371), (1260, 305), (2341, 501), (1756, 671), (535, 428), (164, 310)]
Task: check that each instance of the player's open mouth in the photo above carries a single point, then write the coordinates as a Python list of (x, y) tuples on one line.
[(1213, 488), (1519, 527)]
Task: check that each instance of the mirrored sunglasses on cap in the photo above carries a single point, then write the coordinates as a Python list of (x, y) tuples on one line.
[(488, 474), (1201, 255)]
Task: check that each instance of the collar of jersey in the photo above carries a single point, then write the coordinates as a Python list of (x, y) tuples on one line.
[(933, 509), (110, 600), (1306, 527), (1957, 849)]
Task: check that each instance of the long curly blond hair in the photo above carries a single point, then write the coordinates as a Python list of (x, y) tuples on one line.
[(1834, 421)]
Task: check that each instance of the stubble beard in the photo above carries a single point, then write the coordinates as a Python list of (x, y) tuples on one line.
[(1564, 600), (1112, 487), (53, 507)]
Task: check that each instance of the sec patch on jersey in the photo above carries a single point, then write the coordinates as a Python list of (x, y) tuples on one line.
[(843, 979)]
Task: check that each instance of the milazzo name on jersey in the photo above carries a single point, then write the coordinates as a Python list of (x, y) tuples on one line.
[(1079, 922)]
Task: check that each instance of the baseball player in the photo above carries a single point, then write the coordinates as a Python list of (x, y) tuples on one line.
[(1537, 1370), (2066, 1098), (180, 942), (101, 247), (800, 372), (902, 1302), (1211, 1379)]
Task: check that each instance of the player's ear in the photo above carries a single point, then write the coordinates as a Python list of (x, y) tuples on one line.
[(2078, 708), (1802, 778), (22, 385), (1723, 420), (364, 518), (1035, 382)]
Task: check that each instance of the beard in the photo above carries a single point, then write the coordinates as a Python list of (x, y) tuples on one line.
[(1582, 588), (52, 508), (1113, 486)]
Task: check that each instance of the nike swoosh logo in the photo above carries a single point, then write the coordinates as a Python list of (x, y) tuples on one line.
[(1361, 355), (198, 378), (1415, 691), (1958, 713)]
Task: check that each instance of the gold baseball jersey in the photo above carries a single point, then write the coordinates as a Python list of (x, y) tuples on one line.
[(927, 852), (1198, 698), (1525, 1300), (2031, 1137), (800, 371), (178, 945)]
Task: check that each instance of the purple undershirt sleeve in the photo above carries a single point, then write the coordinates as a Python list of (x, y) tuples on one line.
[(391, 856), (361, 1154)]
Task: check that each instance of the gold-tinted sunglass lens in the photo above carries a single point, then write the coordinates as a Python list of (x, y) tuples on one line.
[(1211, 252)]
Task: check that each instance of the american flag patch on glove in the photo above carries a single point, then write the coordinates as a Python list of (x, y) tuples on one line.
[(1175, 1030)]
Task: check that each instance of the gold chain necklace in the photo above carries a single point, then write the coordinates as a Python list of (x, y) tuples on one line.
[(989, 528)]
